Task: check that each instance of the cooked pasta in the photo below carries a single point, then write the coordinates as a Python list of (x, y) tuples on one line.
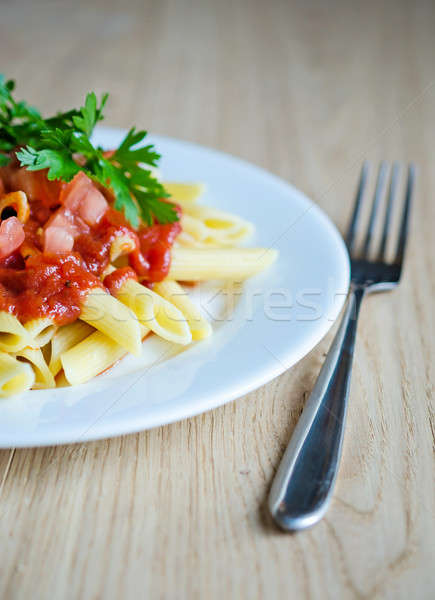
[(17, 201), (13, 336), (114, 319), (121, 245), (92, 356), (174, 293), (204, 227), (237, 264), (184, 193), (40, 331), (15, 376), (158, 314), (65, 338), (43, 376)]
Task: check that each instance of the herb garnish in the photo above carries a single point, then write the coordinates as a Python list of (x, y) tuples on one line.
[(57, 142)]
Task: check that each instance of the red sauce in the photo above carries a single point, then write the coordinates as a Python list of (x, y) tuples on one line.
[(152, 259), (115, 280), (33, 284), (49, 286)]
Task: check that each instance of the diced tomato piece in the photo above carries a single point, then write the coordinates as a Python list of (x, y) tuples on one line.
[(57, 239), (69, 221), (74, 192), (82, 205), (93, 206), (11, 236), (93, 226)]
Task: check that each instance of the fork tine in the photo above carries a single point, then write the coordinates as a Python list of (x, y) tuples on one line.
[(391, 194), (405, 216), (350, 238), (378, 193)]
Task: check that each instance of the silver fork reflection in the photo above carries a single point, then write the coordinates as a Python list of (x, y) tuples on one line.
[(303, 484)]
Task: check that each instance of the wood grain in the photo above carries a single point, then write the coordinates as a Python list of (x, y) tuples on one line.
[(306, 90)]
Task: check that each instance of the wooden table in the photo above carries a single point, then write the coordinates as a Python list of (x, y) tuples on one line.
[(307, 90)]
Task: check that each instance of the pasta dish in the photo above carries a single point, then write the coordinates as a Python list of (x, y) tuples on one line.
[(95, 248)]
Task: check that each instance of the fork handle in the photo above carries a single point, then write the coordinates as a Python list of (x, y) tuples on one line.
[(303, 484)]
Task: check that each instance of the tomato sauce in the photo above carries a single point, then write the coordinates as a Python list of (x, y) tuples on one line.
[(49, 286), (115, 280), (34, 284), (152, 259)]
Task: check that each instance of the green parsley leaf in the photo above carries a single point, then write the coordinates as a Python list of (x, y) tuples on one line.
[(124, 200), (59, 163), (62, 145), (128, 156), (86, 122)]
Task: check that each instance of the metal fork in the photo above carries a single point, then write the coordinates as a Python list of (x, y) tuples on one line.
[(303, 484)]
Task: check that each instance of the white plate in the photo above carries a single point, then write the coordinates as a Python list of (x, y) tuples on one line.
[(278, 317)]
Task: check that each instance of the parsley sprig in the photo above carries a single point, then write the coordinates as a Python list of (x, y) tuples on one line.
[(62, 145)]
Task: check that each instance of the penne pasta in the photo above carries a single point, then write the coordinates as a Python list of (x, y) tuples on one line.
[(236, 264), (61, 380), (113, 318), (46, 352), (41, 331), (17, 201), (184, 193), (13, 336), (155, 312), (206, 227), (121, 245), (92, 356), (43, 376), (15, 376), (174, 293), (65, 338)]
